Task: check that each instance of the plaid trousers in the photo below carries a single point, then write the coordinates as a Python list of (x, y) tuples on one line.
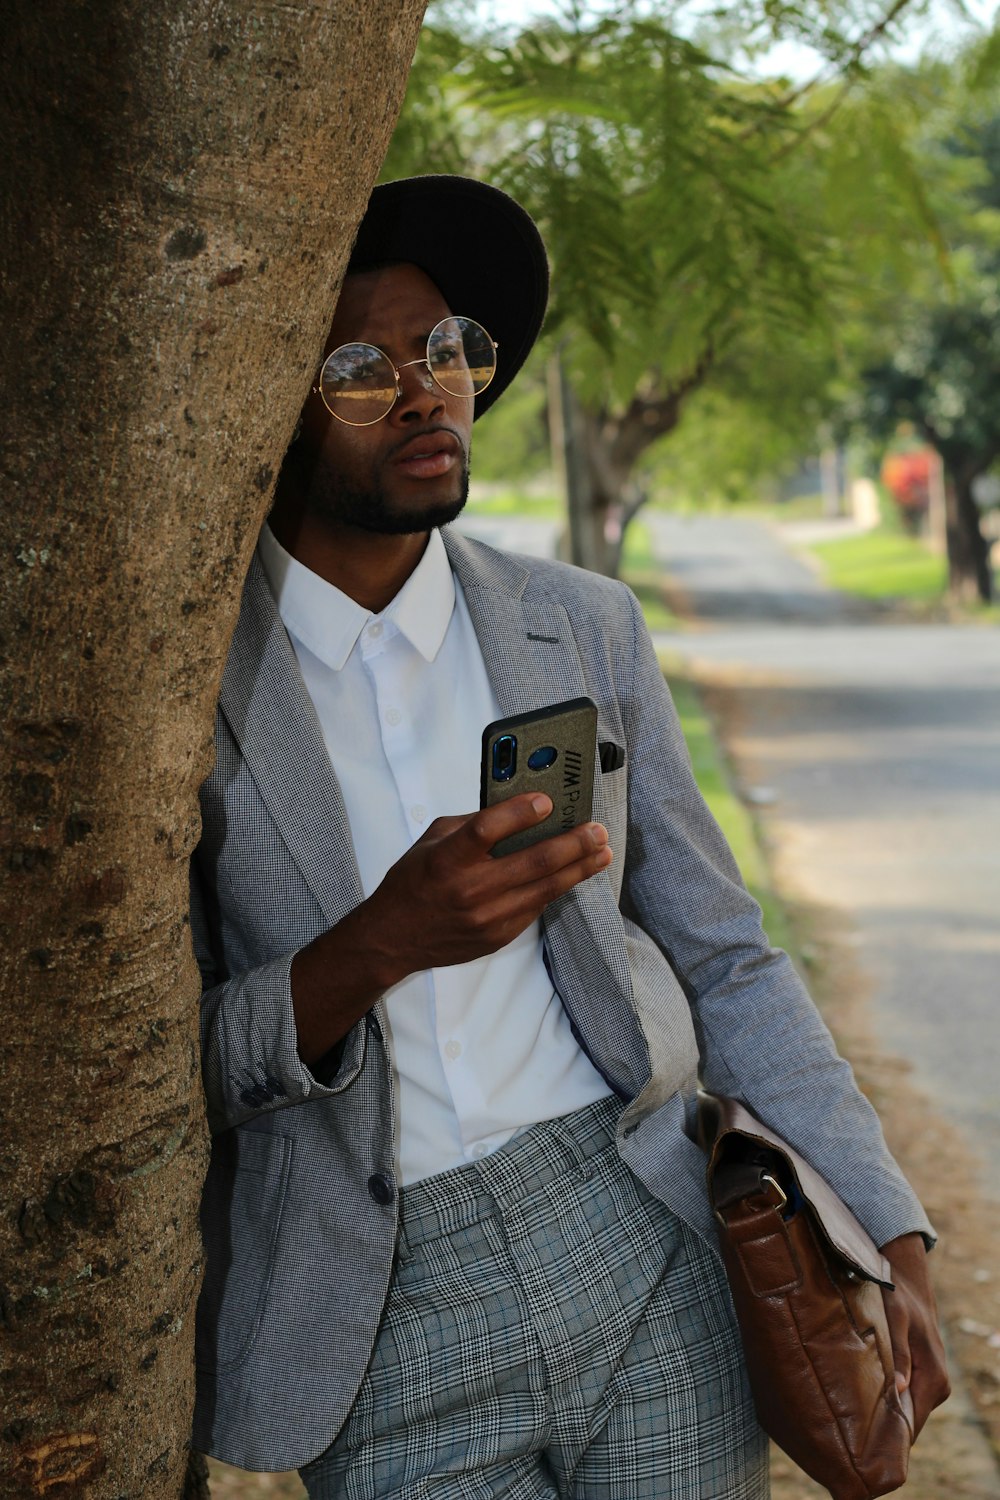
[(552, 1332)]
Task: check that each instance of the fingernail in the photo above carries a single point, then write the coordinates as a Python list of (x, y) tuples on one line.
[(542, 806), (598, 834)]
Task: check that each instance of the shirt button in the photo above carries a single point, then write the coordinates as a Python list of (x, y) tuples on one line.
[(375, 629), (393, 716), (453, 1049), (418, 812), (480, 1150), (381, 1187)]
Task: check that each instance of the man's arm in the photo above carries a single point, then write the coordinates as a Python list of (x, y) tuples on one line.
[(446, 901), (279, 1032)]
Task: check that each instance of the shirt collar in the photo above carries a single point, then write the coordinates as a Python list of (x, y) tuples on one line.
[(423, 607), (328, 622)]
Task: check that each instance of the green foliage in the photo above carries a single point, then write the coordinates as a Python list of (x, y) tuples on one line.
[(745, 431), (496, 500), (647, 163), (511, 440), (942, 367), (767, 242)]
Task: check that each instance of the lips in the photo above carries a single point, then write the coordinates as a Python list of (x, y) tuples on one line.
[(428, 455)]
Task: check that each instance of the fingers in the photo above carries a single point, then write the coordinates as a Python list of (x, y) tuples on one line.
[(491, 825), (918, 1353), (897, 1317), (540, 874), (504, 914), (522, 882), (929, 1382), (448, 900)]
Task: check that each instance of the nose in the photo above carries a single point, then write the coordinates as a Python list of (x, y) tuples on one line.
[(420, 397)]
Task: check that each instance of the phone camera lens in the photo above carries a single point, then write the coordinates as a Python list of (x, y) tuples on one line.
[(543, 757), (504, 757)]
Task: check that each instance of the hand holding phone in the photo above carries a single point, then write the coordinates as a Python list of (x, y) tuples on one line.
[(551, 750)]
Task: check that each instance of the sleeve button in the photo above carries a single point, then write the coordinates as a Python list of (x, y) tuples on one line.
[(381, 1187)]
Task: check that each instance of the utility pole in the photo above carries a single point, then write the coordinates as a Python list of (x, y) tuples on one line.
[(569, 461)]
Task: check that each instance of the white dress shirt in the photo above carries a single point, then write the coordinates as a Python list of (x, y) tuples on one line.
[(480, 1050)]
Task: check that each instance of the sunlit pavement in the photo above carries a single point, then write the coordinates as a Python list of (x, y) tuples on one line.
[(513, 533), (872, 752)]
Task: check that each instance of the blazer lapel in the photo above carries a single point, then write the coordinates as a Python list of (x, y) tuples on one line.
[(528, 648), (265, 704), (532, 660)]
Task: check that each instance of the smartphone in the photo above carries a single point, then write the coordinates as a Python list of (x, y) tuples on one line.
[(551, 750)]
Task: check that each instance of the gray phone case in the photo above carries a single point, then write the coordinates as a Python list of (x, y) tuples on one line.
[(570, 728)]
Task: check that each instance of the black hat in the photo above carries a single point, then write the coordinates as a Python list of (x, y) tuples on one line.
[(481, 249)]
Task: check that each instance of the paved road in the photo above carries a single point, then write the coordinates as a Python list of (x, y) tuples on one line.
[(874, 751), (513, 533)]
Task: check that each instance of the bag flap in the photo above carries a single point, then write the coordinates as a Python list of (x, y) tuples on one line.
[(719, 1118)]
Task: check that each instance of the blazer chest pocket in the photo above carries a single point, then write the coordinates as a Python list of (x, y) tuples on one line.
[(611, 809), (241, 1213)]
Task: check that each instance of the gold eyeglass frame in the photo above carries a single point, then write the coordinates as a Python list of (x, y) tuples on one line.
[(397, 369)]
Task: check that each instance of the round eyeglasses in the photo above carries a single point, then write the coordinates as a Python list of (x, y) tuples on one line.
[(360, 384)]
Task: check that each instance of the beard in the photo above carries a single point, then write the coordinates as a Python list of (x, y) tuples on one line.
[(336, 499), (373, 510)]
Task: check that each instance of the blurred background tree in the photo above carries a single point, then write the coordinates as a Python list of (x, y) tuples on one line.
[(730, 252), (939, 369)]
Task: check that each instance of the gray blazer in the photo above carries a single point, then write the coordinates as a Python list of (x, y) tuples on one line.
[(660, 962)]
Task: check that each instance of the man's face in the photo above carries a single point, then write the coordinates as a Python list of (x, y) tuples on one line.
[(408, 472)]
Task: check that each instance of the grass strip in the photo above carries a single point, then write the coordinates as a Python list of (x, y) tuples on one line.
[(644, 576), (882, 564), (715, 783), (708, 760)]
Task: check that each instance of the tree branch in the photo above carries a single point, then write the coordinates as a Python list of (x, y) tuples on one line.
[(645, 419), (854, 55)]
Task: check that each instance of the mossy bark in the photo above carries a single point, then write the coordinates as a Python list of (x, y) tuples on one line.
[(180, 184)]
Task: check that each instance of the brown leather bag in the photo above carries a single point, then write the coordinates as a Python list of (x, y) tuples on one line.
[(807, 1283)]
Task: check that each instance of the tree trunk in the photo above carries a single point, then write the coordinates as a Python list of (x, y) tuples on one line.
[(634, 497), (568, 428), (180, 185), (830, 468), (970, 576), (602, 450)]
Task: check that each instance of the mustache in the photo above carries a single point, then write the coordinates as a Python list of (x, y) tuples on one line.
[(424, 432)]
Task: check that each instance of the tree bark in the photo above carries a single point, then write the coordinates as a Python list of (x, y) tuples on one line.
[(970, 577), (180, 184), (602, 450)]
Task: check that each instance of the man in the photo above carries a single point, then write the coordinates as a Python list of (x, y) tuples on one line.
[(456, 1231)]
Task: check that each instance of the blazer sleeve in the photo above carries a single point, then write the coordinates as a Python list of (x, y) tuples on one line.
[(759, 1034), (250, 1059)]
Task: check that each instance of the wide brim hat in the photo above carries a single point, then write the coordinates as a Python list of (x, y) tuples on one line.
[(480, 248)]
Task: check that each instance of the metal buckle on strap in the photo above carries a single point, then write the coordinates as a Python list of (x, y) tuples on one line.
[(777, 1199), (783, 1204)]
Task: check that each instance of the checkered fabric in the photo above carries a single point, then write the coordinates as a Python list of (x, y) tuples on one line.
[(552, 1330)]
